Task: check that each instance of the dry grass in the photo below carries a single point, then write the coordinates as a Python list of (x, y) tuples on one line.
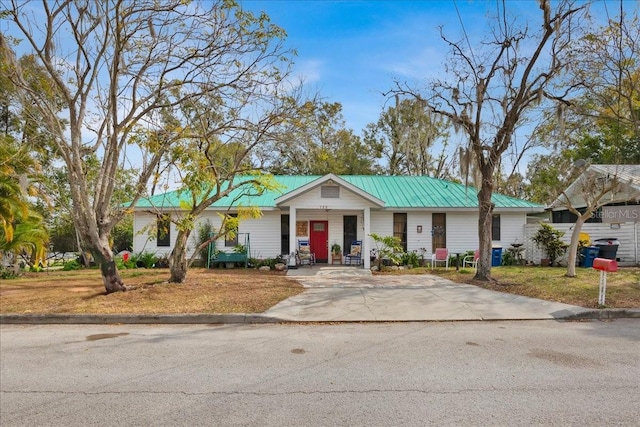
[(204, 291), (550, 283)]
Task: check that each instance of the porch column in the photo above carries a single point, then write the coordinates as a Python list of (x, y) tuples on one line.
[(365, 239), (292, 230)]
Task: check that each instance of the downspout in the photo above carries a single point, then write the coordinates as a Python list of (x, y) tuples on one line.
[(635, 226)]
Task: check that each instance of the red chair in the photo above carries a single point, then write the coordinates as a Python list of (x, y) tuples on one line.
[(441, 255)]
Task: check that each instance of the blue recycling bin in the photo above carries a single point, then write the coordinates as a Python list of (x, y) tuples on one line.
[(496, 257), (588, 255)]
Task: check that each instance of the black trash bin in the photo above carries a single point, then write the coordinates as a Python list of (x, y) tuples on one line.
[(608, 248)]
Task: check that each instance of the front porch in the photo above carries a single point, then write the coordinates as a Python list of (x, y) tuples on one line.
[(328, 227), (328, 211)]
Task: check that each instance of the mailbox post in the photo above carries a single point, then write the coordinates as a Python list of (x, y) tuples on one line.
[(605, 266)]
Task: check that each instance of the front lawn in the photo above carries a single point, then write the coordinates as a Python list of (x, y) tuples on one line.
[(204, 291)]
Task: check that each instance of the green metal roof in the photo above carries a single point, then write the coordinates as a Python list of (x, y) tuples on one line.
[(395, 191)]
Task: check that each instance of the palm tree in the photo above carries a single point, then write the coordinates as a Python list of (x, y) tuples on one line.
[(30, 239), (13, 205), (22, 231)]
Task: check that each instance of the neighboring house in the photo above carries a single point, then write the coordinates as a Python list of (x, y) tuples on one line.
[(423, 212), (617, 219)]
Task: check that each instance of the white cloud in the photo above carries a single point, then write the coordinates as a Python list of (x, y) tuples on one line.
[(309, 70)]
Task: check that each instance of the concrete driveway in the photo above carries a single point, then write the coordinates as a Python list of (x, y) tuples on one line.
[(353, 294)]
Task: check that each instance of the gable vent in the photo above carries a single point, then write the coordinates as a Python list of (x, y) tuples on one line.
[(330, 192)]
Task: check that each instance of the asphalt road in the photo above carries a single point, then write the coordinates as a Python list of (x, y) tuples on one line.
[(352, 374)]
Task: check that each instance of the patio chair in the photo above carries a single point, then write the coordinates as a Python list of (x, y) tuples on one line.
[(471, 260), (305, 256), (441, 255), (354, 257)]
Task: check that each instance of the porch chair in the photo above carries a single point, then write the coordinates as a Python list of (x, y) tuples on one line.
[(354, 257), (305, 256), (471, 260), (441, 255)]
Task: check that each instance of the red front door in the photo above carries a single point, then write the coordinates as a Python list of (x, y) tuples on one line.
[(319, 240)]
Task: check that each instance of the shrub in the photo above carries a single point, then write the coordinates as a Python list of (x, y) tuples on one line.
[(162, 262), (387, 248), (142, 260), (204, 233), (7, 273), (411, 259), (547, 238), (71, 265)]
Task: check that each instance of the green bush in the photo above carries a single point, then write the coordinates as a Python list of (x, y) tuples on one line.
[(71, 265), (508, 258), (7, 273), (547, 238), (146, 260), (387, 248), (411, 259), (205, 232)]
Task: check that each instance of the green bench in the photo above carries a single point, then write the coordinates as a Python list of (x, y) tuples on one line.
[(224, 257)]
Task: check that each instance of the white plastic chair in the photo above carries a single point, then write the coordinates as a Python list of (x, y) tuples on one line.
[(471, 260)]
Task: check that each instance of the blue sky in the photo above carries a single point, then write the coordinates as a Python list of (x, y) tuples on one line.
[(351, 51)]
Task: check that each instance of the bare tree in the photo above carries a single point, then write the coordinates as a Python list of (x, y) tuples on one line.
[(595, 187), (114, 68), (493, 87)]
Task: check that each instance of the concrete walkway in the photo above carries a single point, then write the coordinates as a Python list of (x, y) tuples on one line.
[(336, 293)]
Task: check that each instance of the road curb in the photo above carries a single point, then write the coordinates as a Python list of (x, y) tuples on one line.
[(250, 318), (90, 319), (607, 313)]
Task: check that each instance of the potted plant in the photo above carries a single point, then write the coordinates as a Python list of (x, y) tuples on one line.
[(336, 253), (547, 238), (335, 249), (422, 251)]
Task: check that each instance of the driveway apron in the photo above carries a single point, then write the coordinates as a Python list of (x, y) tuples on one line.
[(334, 293)]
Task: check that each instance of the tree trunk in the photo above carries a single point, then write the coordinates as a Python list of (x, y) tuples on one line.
[(110, 277), (178, 264), (485, 217), (573, 247)]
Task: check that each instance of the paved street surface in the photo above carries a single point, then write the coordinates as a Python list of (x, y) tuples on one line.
[(374, 374)]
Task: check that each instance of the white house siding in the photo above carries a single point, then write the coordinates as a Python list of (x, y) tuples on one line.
[(628, 235), (264, 235), (416, 240), (511, 229), (381, 224), (462, 232), (462, 229), (265, 232), (145, 235)]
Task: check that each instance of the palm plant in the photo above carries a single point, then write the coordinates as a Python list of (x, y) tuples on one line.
[(12, 205), (29, 239)]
